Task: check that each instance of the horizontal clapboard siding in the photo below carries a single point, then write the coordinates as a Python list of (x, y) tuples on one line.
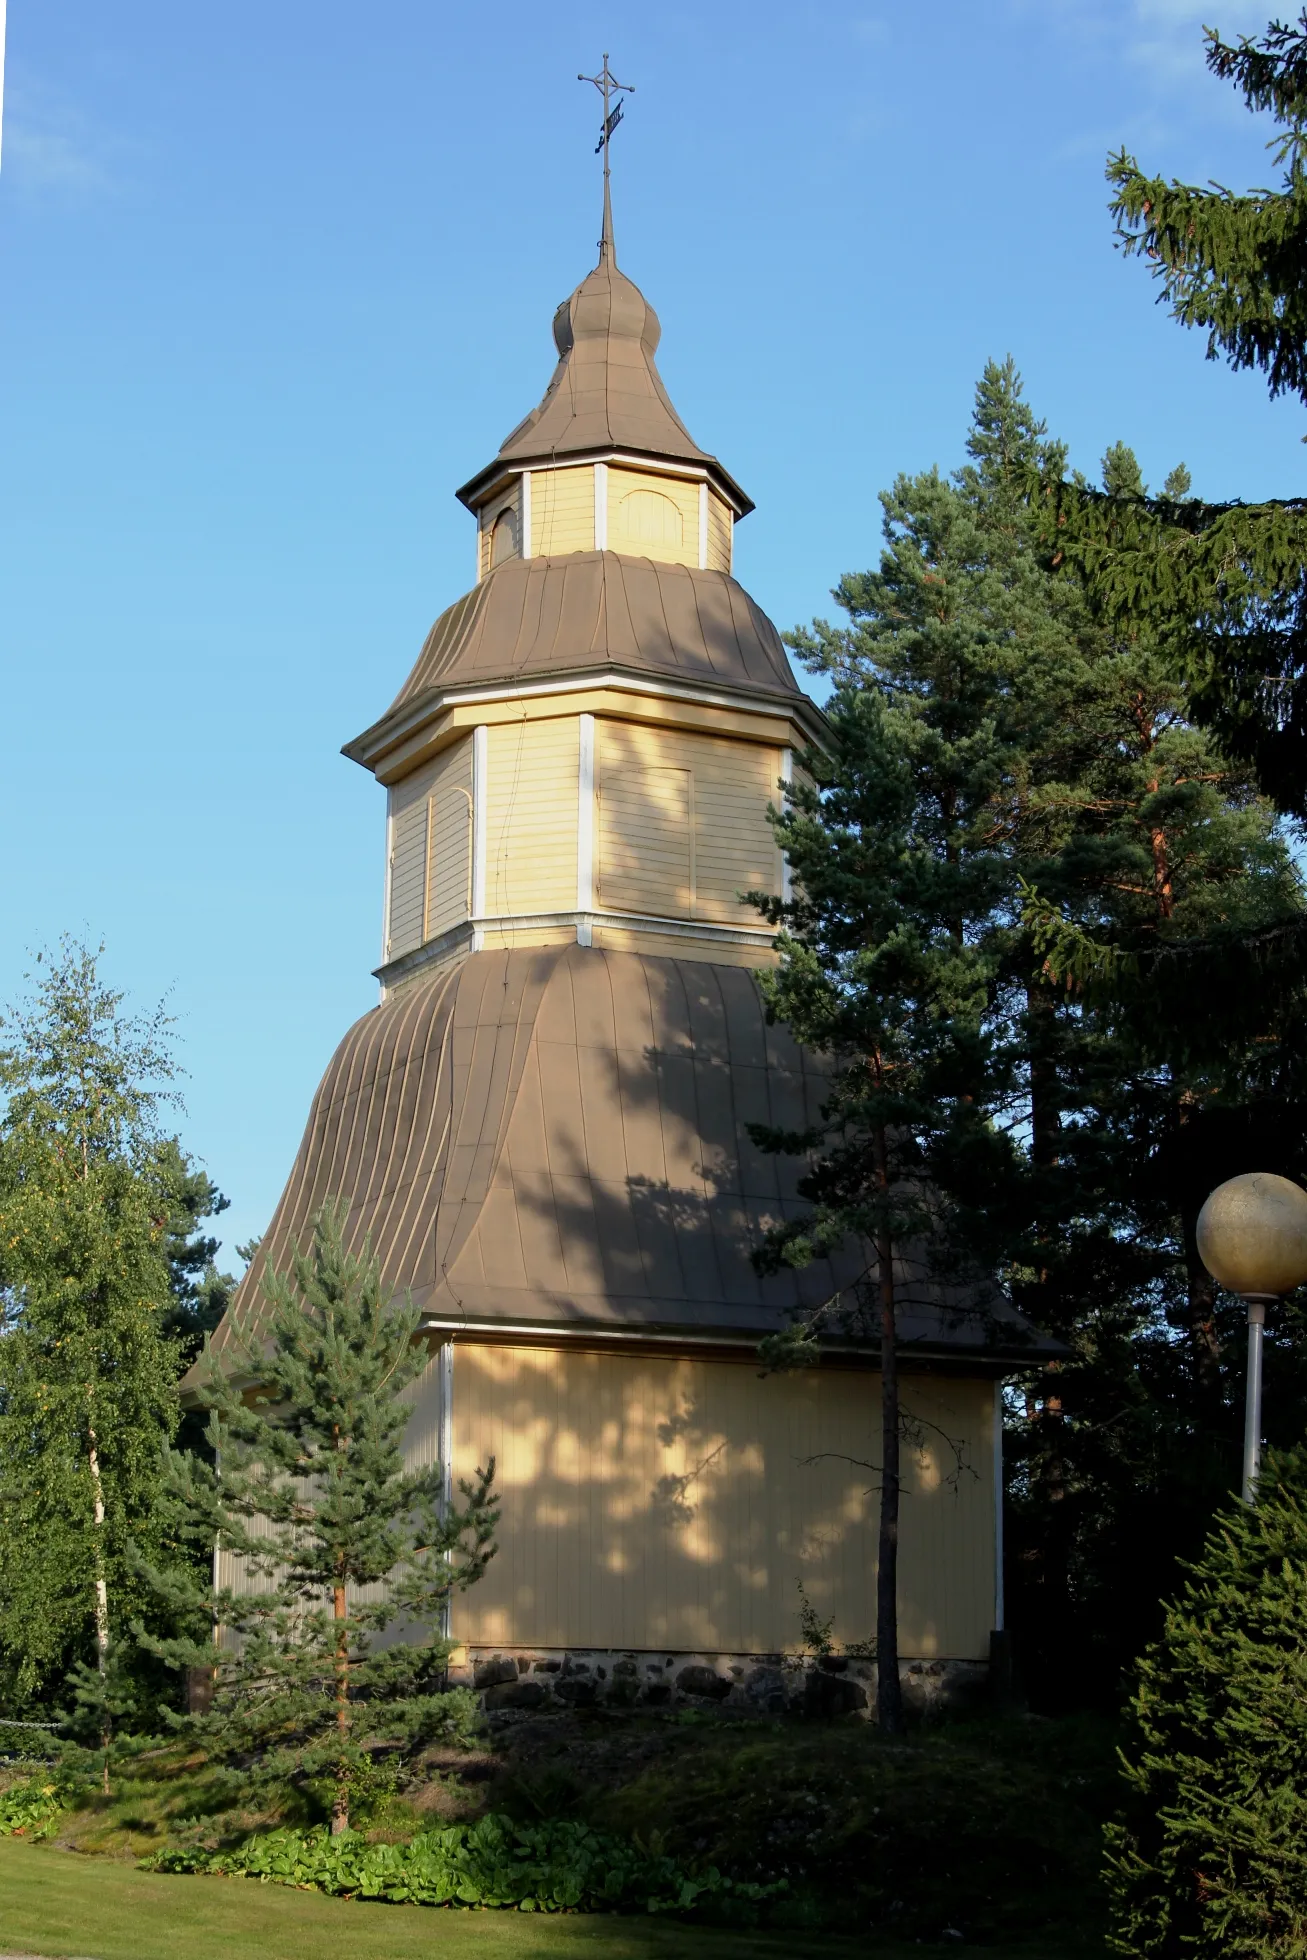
[(531, 767), (431, 850), (562, 511), (683, 825)]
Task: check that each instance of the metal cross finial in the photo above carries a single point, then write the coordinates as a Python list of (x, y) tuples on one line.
[(608, 86)]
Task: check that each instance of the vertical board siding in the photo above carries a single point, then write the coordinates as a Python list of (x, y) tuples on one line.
[(508, 500), (664, 1502), (408, 879), (719, 533), (449, 853), (646, 841), (562, 511), (653, 516), (431, 845), (531, 816), (725, 846)]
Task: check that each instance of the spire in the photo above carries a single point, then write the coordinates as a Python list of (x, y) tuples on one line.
[(608, 86), (607, 249)]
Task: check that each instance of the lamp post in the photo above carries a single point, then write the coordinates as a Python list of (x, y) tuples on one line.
[(1252, 1238)]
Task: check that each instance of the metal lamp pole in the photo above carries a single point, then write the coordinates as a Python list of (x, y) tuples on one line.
[(1252, 1238), (1252, 1415)]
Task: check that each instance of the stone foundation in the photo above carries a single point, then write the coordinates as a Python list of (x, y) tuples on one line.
[(538, 1680)]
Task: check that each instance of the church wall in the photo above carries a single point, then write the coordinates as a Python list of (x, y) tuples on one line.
[(719, 534), (653, 516), (670, 1503), (682, 827), (508, 500), (430, 850), (562, 511), (531, 815)]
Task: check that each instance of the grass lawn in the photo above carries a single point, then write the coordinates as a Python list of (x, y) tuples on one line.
[(62, 1903)]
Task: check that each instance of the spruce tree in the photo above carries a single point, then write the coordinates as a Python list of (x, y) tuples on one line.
[(336, 1541), (1221, 585), (1210, 1857), (87, 1372)]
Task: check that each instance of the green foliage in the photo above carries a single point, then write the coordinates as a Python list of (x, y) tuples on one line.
[(32, 1808), (559, 1866), (992, 1829), (1036, 776), (87, 1369), (1210, 1858), (817, 1633), (313, 1498), (1220, 586)]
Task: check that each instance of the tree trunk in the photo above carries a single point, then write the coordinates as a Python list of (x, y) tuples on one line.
[(889, 1690), (340, 1803), (101, 1596)]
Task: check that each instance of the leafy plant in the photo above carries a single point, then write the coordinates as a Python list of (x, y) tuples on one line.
[(817, 1633), (557, 1866), (32, 1808)]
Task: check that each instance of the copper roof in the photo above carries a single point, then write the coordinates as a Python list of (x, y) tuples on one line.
[(606, 392), (600, 610), (559, 1137)]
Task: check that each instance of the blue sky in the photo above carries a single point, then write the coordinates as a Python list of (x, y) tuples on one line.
[(275, 278)]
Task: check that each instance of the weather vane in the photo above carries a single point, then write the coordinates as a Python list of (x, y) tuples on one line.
[(608, 86)]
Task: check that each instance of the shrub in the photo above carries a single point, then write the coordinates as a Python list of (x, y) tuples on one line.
[(559, 1866), (1210, 1857), (31, 1808)]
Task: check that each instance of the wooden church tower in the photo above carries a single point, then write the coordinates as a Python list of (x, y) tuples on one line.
[(542, 1128)]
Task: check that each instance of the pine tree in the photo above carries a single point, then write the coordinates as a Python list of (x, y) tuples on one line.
[(878, 969), (1056, 777), (87, 1372), (1210, 1858), (337, 1541)]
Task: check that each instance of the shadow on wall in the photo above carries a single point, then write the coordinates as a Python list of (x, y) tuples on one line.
[(674, 1502)]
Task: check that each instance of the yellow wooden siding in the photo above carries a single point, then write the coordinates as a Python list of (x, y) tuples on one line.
[(431, 849), (719, 533), (562, 511), (653, 516), (531, 769), (669, 946), (724, 845), (509, 500), (674, 1503), (449, 848), (646, 841), (408, 878)]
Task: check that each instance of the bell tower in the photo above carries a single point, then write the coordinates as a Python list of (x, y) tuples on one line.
[(587, 746)]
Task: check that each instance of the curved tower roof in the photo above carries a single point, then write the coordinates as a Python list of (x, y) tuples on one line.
[(606, 392)]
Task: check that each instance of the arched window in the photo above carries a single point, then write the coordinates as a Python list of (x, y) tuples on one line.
[(647, 517), (503, 539)]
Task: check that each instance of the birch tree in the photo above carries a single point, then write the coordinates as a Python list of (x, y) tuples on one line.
[(87, 1374)]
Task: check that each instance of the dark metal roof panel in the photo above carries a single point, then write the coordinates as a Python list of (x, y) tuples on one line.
[(559, 1136), (534, 617)]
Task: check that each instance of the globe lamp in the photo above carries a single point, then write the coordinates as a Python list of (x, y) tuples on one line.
[(1252, 1238)]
